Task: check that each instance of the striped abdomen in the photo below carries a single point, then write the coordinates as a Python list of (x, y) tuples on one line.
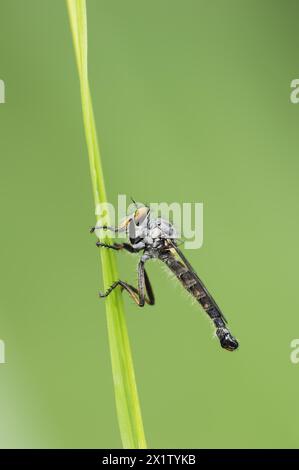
[(196, 288)]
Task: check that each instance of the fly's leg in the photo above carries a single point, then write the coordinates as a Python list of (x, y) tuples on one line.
[(145, 291), (106, 227), (138, 295), (149, 290), (118, 246), (132, 291), (125, 286), (144, 284), (122, 228)]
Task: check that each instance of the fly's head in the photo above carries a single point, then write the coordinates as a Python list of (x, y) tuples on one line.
[(137, 226), (146, 232)]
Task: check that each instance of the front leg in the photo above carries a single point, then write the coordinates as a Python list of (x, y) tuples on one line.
[(118, 246), (105, 227)]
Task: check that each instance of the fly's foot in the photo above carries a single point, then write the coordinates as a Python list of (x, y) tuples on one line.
[(102, 295), (98, 244), (115, 246)]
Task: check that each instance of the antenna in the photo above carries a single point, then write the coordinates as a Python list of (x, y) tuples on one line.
[(134, 202)]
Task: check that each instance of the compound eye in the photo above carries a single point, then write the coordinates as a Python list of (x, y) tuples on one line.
[(140, 215), (132, 231)]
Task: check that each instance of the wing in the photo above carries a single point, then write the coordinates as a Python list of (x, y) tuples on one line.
[(188, 265)]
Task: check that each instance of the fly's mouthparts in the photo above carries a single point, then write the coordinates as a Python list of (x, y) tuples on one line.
[(226, 339)]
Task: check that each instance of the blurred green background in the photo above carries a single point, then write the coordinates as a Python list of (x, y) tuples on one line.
[(192, 104)]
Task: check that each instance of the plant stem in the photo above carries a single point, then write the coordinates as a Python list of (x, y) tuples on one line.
[(126, 396)]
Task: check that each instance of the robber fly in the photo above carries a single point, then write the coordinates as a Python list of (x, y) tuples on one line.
[(157, 238)]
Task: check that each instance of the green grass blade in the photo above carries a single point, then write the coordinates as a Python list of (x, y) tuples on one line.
[(126, 396)]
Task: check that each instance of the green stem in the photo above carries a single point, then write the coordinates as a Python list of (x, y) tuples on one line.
[(126, 396)]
